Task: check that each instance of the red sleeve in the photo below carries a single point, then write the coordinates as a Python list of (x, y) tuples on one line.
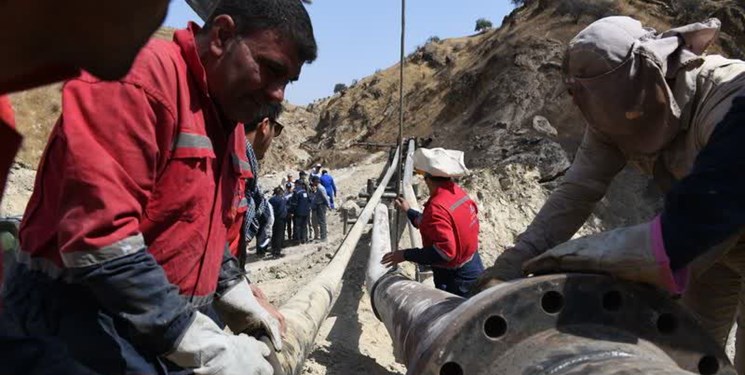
[(113, 151), (439, 230), (6, 112)]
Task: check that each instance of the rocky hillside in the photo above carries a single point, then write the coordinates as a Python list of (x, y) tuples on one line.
[(499, 97), (474, 92)]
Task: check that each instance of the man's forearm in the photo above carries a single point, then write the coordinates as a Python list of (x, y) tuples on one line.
[(135, 288), (426, 256), (414, 216)]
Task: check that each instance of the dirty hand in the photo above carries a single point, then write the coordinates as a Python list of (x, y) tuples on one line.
[(633, 253), (401, 204), (393, 258), (508, 266), (264, 302), (243, 313)]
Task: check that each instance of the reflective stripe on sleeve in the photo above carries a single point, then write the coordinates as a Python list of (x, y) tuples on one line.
[(129, 245), (459, 203), (240, 164), (194, 141)]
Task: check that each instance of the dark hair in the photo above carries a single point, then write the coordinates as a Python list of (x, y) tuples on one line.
[(315, 179), (270, 111), (324, 172), (437, 178), (289, 17), (278, 190)]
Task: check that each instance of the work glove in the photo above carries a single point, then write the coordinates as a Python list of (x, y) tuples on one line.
[(207, 350), (242, 312), (508, 266), (633, 253)]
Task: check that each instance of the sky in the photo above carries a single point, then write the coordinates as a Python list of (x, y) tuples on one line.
[(357, 37)]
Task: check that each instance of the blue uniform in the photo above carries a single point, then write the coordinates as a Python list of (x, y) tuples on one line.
[(279, 204), (328, 182), (300, 206)]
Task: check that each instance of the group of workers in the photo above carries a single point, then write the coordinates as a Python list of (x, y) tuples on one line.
[(301, 205), (129, 252)]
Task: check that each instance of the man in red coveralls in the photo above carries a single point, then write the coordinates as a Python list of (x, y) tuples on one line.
[(449, 224), (100, 37), (123, 245)]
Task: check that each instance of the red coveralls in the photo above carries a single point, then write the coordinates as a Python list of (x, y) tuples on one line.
[(450, 225), (126, 231)]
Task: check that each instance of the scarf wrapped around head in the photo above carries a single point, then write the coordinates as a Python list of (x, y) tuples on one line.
[(619, 74)]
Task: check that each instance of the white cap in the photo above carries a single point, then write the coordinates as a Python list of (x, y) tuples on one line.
[(440, 162)]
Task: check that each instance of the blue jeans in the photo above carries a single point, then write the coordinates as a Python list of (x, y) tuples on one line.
[(459, 281)]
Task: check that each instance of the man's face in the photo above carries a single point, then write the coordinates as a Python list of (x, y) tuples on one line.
[(251, 71), (263, 138)]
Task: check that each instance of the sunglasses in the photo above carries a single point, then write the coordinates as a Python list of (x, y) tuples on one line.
[(277, 126)]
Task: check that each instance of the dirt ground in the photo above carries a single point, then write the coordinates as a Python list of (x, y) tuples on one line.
[(351, 340)]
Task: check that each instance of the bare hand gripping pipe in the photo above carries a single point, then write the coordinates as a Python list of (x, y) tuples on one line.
[(557, 324)]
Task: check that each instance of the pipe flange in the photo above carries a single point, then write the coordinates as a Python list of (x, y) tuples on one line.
[(570, 324)]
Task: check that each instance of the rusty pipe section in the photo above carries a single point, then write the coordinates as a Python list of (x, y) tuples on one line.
[(305, 311), (556, 324)]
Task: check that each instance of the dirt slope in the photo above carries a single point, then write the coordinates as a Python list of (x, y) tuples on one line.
[(459, 89)]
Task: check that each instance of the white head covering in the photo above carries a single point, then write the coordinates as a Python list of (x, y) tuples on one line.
[(440, 162)]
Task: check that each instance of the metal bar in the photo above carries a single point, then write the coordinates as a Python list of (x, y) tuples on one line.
[(415, 238), (402, 61), (305, 311), (566, 324)]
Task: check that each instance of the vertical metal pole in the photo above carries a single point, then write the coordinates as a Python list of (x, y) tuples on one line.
[(399, 191)]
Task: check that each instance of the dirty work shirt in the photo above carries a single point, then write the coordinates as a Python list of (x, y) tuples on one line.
[(125, 233), (450, 237)]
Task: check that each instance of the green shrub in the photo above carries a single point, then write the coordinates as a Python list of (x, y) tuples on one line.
[(482, 24)]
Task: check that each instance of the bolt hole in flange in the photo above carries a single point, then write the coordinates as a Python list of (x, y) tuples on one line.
[(495, 327), (552, 302), (667, 323), (451, 368), (708, 365), (612, 301)]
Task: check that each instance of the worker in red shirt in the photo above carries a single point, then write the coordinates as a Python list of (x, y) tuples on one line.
[(123, 245), (100, 37), (449, 224)]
